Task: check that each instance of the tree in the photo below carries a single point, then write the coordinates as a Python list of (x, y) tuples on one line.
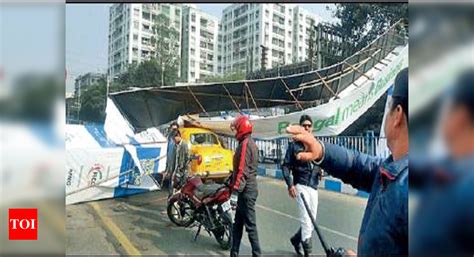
[(360, 24), (166, 41), (227, 77), (147, 74), (93, 101)]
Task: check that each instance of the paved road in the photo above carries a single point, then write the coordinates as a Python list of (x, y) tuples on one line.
[(139, 225)]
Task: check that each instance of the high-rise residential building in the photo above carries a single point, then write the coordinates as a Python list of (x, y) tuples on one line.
[(208, 46), (219, 48), (304, 23), (131, 32), (199, 53), (246, 27)]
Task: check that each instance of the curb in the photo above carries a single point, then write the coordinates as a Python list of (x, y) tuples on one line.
[(327, 183)]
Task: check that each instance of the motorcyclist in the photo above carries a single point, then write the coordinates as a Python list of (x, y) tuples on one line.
[(244, 186), (384, 229), (302, 177)]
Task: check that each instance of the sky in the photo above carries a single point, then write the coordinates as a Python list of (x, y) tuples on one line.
[(87, 32), (29, 47)]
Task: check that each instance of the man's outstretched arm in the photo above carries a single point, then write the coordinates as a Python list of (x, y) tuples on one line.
[(352, 167)]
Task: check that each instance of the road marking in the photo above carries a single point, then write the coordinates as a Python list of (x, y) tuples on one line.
[(294, 218), (115, 230)]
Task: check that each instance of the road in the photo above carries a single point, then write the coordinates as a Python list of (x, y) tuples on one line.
[(139, 225)]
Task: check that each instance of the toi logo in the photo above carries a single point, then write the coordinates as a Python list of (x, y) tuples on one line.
[(22, 224)]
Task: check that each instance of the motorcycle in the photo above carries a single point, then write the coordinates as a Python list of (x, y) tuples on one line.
[(207, 204)]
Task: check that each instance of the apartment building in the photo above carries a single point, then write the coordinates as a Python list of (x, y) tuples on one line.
[(303, 26), (245, 27), (209, 46), (199, 53), (130, 33), (82, 82)]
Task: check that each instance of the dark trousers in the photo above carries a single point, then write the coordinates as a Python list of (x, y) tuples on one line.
[(245, 215), (167, 183)]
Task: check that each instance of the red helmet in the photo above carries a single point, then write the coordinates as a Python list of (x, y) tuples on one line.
[(242, 126)]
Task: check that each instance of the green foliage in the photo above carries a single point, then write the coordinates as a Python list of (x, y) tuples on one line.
[(360, 24), (166, 40), (227, 77), (93, 101)]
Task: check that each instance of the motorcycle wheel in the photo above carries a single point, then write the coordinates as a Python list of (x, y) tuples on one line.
[(180, 213), (223, 234)]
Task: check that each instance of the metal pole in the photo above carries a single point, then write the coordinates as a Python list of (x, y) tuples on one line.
[(321, 239)]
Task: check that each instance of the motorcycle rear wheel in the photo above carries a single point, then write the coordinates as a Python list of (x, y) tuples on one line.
[(223, 234), (180, 212)]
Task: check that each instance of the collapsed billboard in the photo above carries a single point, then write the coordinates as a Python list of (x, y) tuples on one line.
[(349, 87), (331, 118), (109, 160)]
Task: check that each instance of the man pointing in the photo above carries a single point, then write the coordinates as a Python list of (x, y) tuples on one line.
[(384, 229)]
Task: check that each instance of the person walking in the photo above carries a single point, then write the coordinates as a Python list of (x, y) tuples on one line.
[(302, 177)]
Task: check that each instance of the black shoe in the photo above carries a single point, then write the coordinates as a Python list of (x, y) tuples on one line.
[(296, 242), (307, 245), (234, 254)]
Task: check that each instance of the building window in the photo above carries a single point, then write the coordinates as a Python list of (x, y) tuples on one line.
[(193, 29), (135, 24), (193, 17), (135, 37), (177, 12)]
